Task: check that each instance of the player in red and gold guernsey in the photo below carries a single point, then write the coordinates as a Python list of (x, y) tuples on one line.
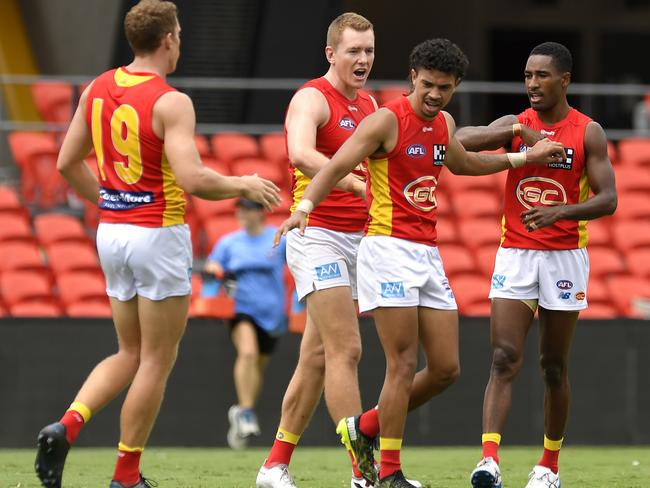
[(401, 278), (542, 262), (142, 131)]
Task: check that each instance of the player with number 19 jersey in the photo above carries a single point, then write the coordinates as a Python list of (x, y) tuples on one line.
[(137, 185)]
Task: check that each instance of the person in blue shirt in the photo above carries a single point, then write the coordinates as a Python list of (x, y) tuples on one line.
[(252, 271)]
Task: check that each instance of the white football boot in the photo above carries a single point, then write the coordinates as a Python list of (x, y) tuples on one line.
[(486, 474), (234, 437), (277, 476), (364, 483), (542, 477)]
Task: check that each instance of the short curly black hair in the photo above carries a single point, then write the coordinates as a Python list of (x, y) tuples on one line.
[(561, 55), (440, 55)]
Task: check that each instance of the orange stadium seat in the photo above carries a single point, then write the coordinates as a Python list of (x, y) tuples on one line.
[(203, 146), (634, 151), (457, 260), (274, 148), (219, 307), (9, 201), (479, 309), (632, 178), (72, 256), (390, 92), (19, 286), (21, 256), (232, 146), (444, 207), (264, 168), (597, 291), (477, 233), (91, 309), (633, 205), (216, 228), (605, 261), (485, 257), (206, 209), (3, 311), (631, 234), (446, 230), (470, 204), (599, 311), (276, 218), (55, 227), (15, 228), (625, 289), (599, 232), (612, 152), (218, 166), (53, 100), (451, 183), (36, 308), (470, 290), (77, 286), (638, 262)]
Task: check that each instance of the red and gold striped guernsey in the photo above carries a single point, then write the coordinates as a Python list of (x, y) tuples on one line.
[(137, 185), (340, 211), (402, 183), (562, 183)]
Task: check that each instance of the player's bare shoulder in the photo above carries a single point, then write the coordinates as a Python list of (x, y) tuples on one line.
[(309, 102)]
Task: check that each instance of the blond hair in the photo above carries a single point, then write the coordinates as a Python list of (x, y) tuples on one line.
[(148, 22), (342, 22)]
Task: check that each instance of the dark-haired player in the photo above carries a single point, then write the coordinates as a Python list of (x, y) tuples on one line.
[(542, 262), (400, 273)]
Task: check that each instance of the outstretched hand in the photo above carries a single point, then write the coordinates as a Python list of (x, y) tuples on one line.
[(546, 151), (297, 220), (261, 191)]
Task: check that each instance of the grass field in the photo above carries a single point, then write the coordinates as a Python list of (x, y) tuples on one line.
[(581, 467)]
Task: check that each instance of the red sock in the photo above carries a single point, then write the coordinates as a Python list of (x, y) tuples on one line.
[(390, 463), (280, 453), (550, 460), (491, 449), (73, 422), (355, 470), (127, 468), (369, 423)]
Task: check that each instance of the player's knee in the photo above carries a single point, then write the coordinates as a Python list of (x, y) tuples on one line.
[(446, 375), (506, 361), (313, 360), (553, 371), (402, 368), (347, 353), (248, 355)]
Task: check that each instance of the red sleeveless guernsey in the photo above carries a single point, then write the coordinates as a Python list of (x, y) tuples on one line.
[(563, 183), (340, 210), (402, 183), (137, 185)]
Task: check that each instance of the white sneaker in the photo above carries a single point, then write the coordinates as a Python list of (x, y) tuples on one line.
[(235, 438), (277, 476), (486, 474), (542, 477), (360, 483), (248, 425)]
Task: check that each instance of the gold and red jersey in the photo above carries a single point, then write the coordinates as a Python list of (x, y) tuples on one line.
[(560, 183), (402, 184), (137, 185), (340, 211)]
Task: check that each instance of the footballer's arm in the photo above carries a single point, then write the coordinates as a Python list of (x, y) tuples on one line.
[(497, 135)]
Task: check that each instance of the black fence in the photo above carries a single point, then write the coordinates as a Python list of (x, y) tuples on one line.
[(43, 363)]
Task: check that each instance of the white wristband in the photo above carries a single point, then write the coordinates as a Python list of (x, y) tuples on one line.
[(516, 160), (305, 205)]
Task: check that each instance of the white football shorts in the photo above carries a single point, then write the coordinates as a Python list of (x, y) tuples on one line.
[(152, 262), (558, 279), (322, 259), (399, 273)]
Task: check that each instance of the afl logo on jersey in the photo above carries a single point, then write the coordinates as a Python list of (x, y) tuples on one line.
[(421, 193), (538, 191), (416, 151), (347, 123)]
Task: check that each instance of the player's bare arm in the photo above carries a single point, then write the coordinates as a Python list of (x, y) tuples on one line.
[(376, 134), (497, 135), (461, 162), (308, 111), (601, 180), (76, 146), (174, 122)]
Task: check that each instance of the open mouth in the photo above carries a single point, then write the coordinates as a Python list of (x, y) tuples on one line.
[(535, 97), (431, 106), (360, 74)]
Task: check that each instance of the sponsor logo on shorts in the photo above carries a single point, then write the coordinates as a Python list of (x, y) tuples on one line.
[(564, 285), (445, 285), (392, 289), (189, 274), (540, 191), (347, 123), (421, 193), (564, 295), (439, 151), (580, 295), (416, 151), (328, 271), (123, 200), (498, 280)]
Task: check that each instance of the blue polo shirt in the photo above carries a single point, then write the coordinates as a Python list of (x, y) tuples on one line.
[(259, 270)]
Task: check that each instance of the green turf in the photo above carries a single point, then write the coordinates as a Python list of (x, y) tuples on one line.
[(612, 467)]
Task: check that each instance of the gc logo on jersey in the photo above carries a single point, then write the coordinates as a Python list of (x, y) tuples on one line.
[(347, 123), (416, 151), (567, 163), (540, 191), (328, 271), (421, 193), (439, 151)]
